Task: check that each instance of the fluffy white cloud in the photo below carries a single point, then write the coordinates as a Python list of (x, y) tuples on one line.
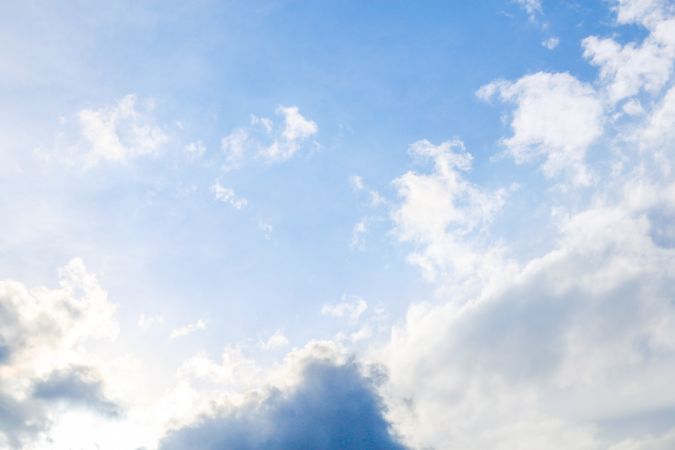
[(627, 69), (119, 133), (296, 130), (443, 214), (556, 118), (574, 343), (571, 349)]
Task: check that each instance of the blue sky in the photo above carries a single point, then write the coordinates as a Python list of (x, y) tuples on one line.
[(444, 205)]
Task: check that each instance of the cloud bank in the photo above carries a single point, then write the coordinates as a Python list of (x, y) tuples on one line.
[(333, 407)]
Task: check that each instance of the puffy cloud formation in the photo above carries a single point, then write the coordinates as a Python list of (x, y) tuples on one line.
[(44, 333), (443, 213), (119, 133), (556, 118), (626, 70), (333, 407), (573, 349)]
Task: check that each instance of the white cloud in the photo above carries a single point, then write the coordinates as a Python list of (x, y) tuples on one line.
[(627, 69), (187, 329), (531, 7), (264, 138), (351, 310), (234, 146), (658, 130), (358, 234), (296, 130), (227, 195), (274, 342), (443, 214), (119, 133), (266, 228), (557, 354), (556, 118), (195, 149), (356, 182), (550, 43)]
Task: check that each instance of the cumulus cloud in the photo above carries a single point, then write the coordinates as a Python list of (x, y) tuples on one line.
[(443, 214), (556, 118), (332, 407), (570, 350), (44, 332), (567, 337), (627, 69), (119, 133)]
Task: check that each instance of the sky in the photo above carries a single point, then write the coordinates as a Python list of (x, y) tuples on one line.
[(343, 225)]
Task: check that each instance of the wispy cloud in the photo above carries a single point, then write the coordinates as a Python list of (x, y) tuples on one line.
[(187, 329)]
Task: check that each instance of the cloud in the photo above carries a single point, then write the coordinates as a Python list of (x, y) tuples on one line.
[(550, 43), (575, 338), (119, 133), (350, 310), (44, 333), (187, 329), (195, 149), (268, 140), (227, 195), (443, 214), (234, 146), (296, 130), (531, 7), (627, 69), (570, 349), (20, 421), (333, 407), (556, 117), (356, 182), (266, 228), (358, 232), (76, 386), (274, 342)]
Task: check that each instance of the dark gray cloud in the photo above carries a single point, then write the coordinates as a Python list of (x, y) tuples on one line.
[(334, 407), (77, 386)]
